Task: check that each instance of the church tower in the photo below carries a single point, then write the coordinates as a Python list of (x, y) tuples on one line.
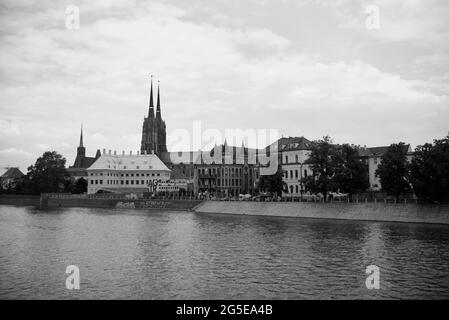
[(80, 152), (153, 129)]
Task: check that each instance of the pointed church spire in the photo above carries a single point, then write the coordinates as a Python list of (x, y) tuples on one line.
[(151, 111), (158, 108), (81, 136)]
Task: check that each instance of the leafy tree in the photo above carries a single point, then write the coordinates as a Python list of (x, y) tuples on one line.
[(393, 171), (324, 162), (430, 171), (48, 174), (273, 183), (351, 174), (80, 186)]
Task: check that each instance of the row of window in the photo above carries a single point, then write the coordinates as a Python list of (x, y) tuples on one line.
[(295, 172), (287, 158), (232, 183), (203, 171), (109, 174), (116, 182), (294, 189)]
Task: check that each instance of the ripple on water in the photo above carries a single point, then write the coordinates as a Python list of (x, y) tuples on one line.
[(179, 255)]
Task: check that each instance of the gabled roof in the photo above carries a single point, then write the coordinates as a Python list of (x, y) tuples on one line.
[(291, 143), (12, 173), (129, 163), (380, 151)]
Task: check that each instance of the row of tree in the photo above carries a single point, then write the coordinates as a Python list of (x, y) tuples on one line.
[(47, 175), (336, 168), (340, 168), (427, 174)]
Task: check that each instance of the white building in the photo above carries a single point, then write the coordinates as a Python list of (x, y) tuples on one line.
[(294, 151), (125, 173), (373, 157)]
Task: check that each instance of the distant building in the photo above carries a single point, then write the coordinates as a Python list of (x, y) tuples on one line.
[(372, 156), (79, 168), (126, 173), (10, 178), (153, 129), (294, 151), (226, 171)]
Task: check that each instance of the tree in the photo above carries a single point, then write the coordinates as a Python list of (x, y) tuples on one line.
[(273, 183), (351, 174), (323, 160), (48, 174), (429, 171), (80, 186), (393, 171)]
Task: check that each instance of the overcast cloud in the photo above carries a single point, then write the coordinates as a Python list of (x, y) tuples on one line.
[(304, 67)]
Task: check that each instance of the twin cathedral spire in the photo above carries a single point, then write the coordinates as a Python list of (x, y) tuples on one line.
[(153, 130)]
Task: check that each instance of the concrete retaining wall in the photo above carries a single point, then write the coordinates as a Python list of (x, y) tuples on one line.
[(347, 211), (120, 203)]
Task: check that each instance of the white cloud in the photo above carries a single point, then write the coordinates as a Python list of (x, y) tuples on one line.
[(227, 75)]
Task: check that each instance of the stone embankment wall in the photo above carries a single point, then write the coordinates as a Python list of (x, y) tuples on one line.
[(417, 213), (19, 200), (177, 204)]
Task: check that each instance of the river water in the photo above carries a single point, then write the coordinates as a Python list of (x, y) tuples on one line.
[(132, 254)]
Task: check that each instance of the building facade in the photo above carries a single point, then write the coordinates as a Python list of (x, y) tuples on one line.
[(113, 173), (226, 171), (372, 156), (294, 152)]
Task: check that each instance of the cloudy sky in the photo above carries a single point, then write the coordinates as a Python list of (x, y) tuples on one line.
[(305, 67)]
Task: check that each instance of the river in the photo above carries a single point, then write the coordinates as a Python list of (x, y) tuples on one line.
[(138, 254)]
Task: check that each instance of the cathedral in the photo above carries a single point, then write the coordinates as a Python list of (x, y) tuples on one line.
[(153, 129)]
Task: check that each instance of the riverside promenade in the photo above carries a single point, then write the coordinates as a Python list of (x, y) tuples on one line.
[(390, 212)]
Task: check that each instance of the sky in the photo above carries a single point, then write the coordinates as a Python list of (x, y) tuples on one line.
[(302, 67)]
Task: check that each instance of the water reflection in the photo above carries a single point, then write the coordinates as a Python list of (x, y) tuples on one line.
[(174, 255)]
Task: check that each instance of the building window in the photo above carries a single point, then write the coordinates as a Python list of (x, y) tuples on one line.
[(296, 189), (296, 175), (121, 182), (286, 174), (137, 181), (305, 173), (127, 181)]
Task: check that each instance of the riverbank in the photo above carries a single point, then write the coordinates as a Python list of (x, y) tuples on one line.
[(112, 201), (412, 213), (19, 200)]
